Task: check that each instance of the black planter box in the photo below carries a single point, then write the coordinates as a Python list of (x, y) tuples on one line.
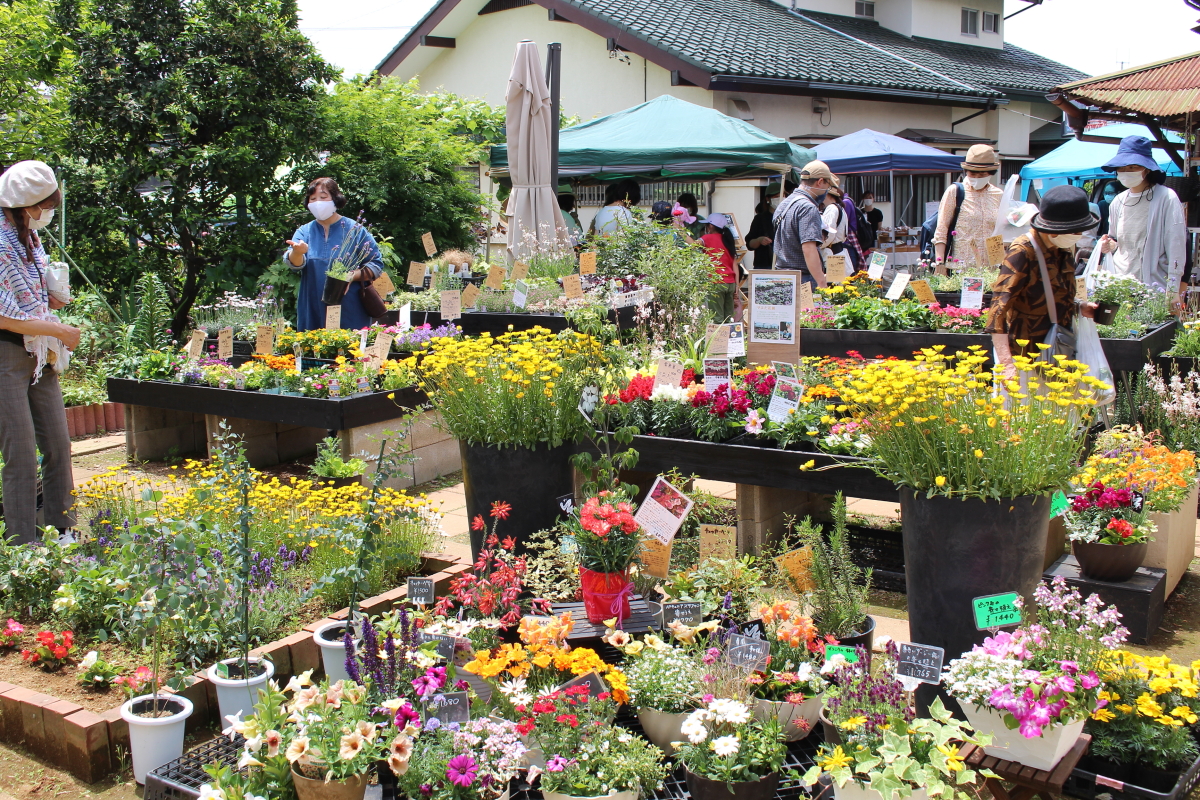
[(240, 348), (310, 412), (473, 323), (1130, 355), (1087, 785)]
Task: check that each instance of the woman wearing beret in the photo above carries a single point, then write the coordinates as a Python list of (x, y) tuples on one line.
[(34, 346)]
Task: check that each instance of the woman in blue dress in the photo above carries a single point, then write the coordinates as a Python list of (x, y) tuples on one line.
[(330, 237)]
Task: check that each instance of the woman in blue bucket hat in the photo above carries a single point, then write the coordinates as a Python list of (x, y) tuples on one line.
[(1147, 234)]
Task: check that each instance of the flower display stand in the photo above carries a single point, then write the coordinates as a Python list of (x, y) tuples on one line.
[(1026, 781), (640, 620), (1141, 599), (1174, 544)]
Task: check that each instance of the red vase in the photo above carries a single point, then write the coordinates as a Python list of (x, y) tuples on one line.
[(605, 595)]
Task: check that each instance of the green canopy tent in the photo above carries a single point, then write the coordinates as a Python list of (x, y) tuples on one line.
[(667, 139)]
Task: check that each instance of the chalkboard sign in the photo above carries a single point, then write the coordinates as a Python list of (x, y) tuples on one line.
[(920, 661), (748, 652), (445, 644), (420, 591), (594, 683), (996, 611), (452, 707), (686, 613), (845, 651)]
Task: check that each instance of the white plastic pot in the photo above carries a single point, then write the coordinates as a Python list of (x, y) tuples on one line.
[(609, 796), (1043, 752), (333, 651), (662, 727), (238, 695), (154, 741), (796, 719), (852, 791)]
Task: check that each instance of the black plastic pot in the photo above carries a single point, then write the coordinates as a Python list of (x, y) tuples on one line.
[(705, 789), (866, 638), (957, 550), (334, 291), (1106, 313), (1156, 780), (1109, 562), (529, 480)]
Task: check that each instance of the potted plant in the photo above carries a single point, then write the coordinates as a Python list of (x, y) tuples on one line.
[(840, 587), (910, 757), (1033, 689), (729, 751), (608, 540), (790, 687), (331, 467), (1109, 532), (664, 679), (976, 469), (355, 250), (861, 699), (1109, 293), (476, 761), (724, 586)]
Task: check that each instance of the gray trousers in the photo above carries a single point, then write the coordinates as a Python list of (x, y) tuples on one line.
[(32, 413)]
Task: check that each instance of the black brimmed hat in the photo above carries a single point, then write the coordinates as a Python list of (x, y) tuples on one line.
[(1064, 209)]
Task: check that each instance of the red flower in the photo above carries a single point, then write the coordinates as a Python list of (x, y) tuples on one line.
[(1121, 527), (525, 726), (500, 509), (568, 719), (508, 543), (478, 524), (689, 377)]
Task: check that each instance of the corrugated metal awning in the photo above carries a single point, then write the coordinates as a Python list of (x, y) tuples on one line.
[(1167, 90)]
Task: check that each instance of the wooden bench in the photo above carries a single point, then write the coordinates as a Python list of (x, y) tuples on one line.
[(1027, 781)]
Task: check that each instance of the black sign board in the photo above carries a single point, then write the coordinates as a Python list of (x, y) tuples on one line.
[(420, 591), (445, 644), (748, 652), (451, 707), (594, 683), (685, 613), (566, 504), (921, 662), (1137, 501)]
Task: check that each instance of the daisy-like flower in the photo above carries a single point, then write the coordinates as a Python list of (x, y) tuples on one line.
[(725, 746), (500, 510), (462, 770), (694, 729)]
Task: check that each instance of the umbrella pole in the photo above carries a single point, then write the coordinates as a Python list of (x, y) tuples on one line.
[(553, 78)]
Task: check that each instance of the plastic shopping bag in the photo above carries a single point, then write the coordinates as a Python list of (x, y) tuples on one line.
[(1014, 216), (57, 281), (1089, 351)]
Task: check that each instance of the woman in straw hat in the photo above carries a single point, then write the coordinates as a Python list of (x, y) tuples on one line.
[(964, 241)]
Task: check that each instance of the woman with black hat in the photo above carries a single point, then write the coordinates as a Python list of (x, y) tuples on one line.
[(1036, 287)]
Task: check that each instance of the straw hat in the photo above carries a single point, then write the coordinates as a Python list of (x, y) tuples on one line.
[(981, 158)]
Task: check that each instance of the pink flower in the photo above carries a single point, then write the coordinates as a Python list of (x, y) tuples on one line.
[(462, 770)]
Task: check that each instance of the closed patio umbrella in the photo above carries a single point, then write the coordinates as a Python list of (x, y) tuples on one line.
[(533, 205)]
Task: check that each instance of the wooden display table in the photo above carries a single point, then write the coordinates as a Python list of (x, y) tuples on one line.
[(1027, 781)]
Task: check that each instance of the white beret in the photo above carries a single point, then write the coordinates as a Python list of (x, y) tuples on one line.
[(26, 183)]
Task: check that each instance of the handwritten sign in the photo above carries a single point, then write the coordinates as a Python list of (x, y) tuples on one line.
[(797, 565), (427, 243), (573, 286), (333, 317), (1058, 504), (845, 651), (718, 339), (656, 557), (923, 291), (264, 340), (670, 373), (416, 274), (520, 294), (806, 297), (451, 304), (520, 271), (1081, 289), (383, 344), (420, 591), (878, 265), (225, 343), (920, 661), (470, 295), (383, 284), (995, 249), (718, 541), (444, 643), (691, 614), (495, 278), (748, 652), (996, 611), (835, 269), (195, 347), (587, 263), (452, 707), (592, 680), (898, 286)]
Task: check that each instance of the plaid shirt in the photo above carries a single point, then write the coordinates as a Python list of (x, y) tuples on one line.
[(797, 220)]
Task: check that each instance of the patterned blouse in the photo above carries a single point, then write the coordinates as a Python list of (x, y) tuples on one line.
[(976, 222), (1019, 298), (23, 293)]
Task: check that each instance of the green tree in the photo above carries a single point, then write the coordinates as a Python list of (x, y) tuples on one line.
[(34, 63), (186, 116)]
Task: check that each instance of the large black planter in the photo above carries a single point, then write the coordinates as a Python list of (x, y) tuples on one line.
[(865, 638), (529, 480), (957, 550)]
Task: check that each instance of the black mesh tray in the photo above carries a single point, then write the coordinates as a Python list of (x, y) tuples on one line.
[(1088, 785)]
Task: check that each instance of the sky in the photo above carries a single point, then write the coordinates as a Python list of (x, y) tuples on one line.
[(1094, 36)]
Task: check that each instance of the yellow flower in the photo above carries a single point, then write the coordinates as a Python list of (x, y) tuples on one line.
[(940, 480), (978, 453), (954, 762), (835, 760), (853, 723), (1103, 715), (1185, 714), (1147, 706)]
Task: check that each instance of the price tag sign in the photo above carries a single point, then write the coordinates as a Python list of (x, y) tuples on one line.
[(520, 271), (784, 400), (716, 372), (783, 369), (405, 321), (670, 373), (444, 643), (972, 293), (452, 707), (845, 651), (495, 278), (878, 265), (835, 269), (420, 591), (656, 557), (416, 273), (718, 339), (520, 294), (995, 249), (592, 680), (737, 339), (383, 284), (333, 317), (427, 243), (1058, 504), (898, 286), (663, 511), (225, 343), (920, 661), (1081, 289), (798, 566), (748, 652), (718, 541), (996, 611), (587, 263), (806, 297), (195, 347), (923, 291), (383, 345), (470, 296), (264, 340), (451, 304), (573, 286), (690, 614)]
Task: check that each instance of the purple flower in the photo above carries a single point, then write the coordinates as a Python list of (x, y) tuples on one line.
[(405, 715), (461, 770), (426, 789), (432, 724), (557, 764)]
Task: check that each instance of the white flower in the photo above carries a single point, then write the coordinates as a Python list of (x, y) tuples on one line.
[(89, 660), (510, 688), (208, 792), (669, 393), (694, 729), (725, 746), (298, 682), (804, 672), (235, 724), (248, 760), (832, 663), (522, 699), (731, 711)]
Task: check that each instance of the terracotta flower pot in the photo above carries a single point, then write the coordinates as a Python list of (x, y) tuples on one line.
[(1109, 562), (352, 788), (69, 412)]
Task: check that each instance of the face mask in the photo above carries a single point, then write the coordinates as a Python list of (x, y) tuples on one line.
[(978, 183), (1131, 179), (1066, 241), (43, 221), (322, 209), (868, 203), (774, 203)]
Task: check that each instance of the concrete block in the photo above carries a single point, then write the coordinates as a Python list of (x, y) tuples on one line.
[(55, 734), (86, 750), (118, 736), (278, 654), (303, 651), (296, 442), (763, 512), (437, 460), (33, 715)]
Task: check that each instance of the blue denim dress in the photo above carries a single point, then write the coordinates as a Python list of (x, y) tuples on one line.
[(322, 251)]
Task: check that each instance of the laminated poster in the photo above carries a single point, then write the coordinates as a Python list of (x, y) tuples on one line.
[(878, 265), (972, 293), (737, 340), (784, 400), (520, 294), (716, 373), (773, 309), (662, 513)]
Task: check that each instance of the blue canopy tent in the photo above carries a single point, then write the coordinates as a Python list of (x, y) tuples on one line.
[(869, 151), (1075, 161)]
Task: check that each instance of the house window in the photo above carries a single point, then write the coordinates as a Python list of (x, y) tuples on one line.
[(991, 22), (970, 22), (864, 8)]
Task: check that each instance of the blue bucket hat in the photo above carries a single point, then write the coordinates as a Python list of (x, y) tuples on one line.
[(1134, 151)]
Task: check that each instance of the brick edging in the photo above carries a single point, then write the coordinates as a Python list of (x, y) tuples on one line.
[(91, 746)]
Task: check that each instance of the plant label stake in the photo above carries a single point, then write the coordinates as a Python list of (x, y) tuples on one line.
[(748, 652), (573, 286), (835, 269), (444, 642), (470, 296), (566, 504), (520, 294), (520, 271), (416, 273), (878, 265), (995, 250), (587, 263), (996, 611), (718, 541), (495, 278), (296, 351), (737, 340), (452, 707), (923, 291), (668, 373), (383, 284), (921, 662), (972, 293), (195, 347), (427, 242), (420, 591), (845, 651), (333, 317), (451, 305), (690, 614), (898, 284), (718, 339), (264, 340)]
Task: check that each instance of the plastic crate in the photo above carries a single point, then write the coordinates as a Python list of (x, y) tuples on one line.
[(1088, 786), (181, 779)]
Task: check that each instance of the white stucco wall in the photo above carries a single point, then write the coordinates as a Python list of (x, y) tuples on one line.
[(942, 19)]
